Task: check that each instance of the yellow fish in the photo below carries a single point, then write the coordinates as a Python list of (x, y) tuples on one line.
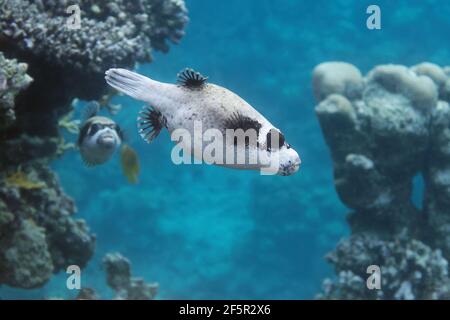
[(130, 163)]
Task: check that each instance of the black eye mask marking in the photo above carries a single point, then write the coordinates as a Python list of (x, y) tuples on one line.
[(95, 128), (238, 121), (100, 126), (277, 137), (189, 78), (91, 130)]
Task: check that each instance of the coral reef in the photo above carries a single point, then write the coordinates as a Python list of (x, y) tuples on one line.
[(38, 236), (13, 79), (110, 33), (44, 66), (67, 64), (118, 274), (410, 269), (87, 294), (26, 260), (118, 278), (383, 130)]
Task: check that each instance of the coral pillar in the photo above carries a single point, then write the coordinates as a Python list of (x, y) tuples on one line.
[(383, 130)]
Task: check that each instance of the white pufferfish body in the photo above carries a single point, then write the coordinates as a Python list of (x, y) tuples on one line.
[(192, 101)]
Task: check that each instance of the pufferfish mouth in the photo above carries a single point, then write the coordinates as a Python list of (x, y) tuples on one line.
[(106, 140), (289, 169), (107, 137)]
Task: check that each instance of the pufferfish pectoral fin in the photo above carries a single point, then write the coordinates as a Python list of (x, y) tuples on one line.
[(191, 79), (150, 123)]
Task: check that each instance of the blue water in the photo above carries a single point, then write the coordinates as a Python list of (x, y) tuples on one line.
[(209, 232)]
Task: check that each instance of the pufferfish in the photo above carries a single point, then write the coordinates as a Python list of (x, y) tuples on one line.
[(191, 99), (100, 137)]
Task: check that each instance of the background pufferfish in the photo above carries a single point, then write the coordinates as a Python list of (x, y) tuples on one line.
[(100, 137)]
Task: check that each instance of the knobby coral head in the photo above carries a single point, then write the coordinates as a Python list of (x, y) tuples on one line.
[(384, 129)]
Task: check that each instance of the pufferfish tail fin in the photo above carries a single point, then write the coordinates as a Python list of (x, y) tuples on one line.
[(131, 83)]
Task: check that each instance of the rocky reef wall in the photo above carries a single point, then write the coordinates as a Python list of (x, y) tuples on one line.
[(383, 130), (44, 65)]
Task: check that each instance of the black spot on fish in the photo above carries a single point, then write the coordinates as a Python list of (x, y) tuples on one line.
[(238, 121), (277, 142), (95, 127)]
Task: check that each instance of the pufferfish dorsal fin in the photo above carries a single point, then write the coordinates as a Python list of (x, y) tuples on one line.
[(89, 111), (189, 78), (238, 121)]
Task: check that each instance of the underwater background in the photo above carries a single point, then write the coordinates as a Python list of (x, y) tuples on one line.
[(205, 232)]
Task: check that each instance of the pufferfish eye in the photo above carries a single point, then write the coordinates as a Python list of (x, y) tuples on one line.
[(278, 136), (95, 128)]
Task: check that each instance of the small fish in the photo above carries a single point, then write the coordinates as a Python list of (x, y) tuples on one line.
[(130, 163), (99, 137), (178, 106)]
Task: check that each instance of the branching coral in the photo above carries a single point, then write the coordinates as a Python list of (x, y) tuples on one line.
[(383, 130), (70, 124), (118, 278), (118, 274), (13, 79)]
